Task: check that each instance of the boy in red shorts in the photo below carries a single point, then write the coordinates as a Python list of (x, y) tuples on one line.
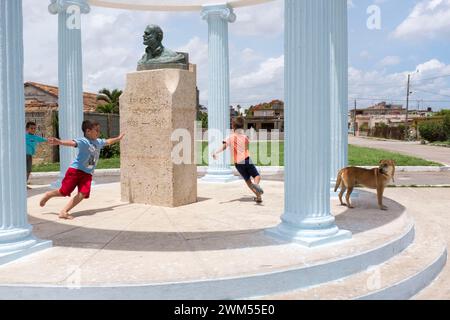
[(239, 142), (82, 168)]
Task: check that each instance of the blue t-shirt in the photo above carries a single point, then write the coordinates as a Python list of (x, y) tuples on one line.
[(32, 140), (88, 154)]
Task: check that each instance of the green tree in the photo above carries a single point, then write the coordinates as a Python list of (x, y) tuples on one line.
[(203, 117), (446, 125), (443, 112), (432, 131), (112, 101)]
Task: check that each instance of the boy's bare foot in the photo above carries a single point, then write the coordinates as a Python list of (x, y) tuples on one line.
[(44, 200), (65, 215)]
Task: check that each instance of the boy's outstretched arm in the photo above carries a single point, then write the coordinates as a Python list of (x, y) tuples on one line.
[(56, 142), (114, 140), (220, 150)]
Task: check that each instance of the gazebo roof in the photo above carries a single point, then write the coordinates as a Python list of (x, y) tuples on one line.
[(170, 5)]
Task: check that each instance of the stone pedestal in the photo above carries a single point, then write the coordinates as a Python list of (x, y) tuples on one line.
[(157, 114)]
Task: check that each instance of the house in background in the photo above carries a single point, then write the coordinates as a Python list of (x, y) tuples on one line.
[(383, 113), (266, 116)]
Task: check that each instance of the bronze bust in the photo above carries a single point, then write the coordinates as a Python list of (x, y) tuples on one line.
[(156, 55)]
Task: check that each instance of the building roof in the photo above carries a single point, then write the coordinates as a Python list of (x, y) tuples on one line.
[(384, 105), (89, 99), (272, 105), (35, 105)]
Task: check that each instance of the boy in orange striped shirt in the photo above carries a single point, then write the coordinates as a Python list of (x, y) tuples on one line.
[(239, 143)]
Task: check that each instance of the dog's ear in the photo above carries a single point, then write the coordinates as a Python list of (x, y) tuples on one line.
[(381, 162)]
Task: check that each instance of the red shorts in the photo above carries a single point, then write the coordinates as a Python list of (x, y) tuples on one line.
[(76, 178)]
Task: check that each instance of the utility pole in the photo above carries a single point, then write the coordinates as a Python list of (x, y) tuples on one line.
[(354, 121), (408, 92)]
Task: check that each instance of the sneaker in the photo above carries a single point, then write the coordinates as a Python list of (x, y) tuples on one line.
[(258, 188), (258, 200)]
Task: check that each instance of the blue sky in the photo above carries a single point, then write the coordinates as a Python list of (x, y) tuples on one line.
[(414, 35)]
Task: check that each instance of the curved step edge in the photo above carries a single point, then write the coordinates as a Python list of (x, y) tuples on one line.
[(411, 286), (243, 287)]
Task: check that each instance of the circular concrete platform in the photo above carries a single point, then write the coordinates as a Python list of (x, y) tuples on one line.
[(214, 249)]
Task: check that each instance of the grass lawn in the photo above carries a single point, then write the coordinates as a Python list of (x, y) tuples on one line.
[(358, 156), (102, 164)]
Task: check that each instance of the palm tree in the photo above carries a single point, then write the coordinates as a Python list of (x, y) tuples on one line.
[(106, 108), (112, 100)]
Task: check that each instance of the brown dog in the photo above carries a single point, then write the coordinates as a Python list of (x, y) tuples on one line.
[(376, 178)]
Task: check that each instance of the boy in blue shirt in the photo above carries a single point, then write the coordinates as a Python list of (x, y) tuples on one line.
[(82, 168), (31, 141)]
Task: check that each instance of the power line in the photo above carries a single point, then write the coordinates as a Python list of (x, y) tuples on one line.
[(394, 100), (430, 92), (433, 78)]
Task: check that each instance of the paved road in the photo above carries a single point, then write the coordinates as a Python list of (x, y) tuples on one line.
[(436, 154)]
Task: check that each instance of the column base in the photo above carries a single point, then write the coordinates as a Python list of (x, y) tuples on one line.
[(18, 243), (219, 176), (308, 237)]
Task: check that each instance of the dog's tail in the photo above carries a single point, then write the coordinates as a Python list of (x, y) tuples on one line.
[(338, 180)]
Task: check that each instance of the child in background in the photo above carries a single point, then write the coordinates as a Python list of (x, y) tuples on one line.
[(238, 142), (31, 141)]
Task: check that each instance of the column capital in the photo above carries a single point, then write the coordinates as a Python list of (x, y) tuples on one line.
[(58, 6), (222, 11)]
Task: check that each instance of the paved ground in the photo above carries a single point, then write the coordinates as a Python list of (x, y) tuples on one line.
[(432, 153), (222, 235), (431, 206), (112, 242)]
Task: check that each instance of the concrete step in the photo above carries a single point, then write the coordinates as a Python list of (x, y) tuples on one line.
[(399, 278)]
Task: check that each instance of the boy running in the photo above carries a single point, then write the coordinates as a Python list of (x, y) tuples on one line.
[(82, 168), (239, 143)]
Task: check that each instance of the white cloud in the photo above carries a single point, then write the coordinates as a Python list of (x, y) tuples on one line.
[(365, 54), (264, 83), (389, 61), (430, 19), (261, 20), (392, 86), (198, 54)]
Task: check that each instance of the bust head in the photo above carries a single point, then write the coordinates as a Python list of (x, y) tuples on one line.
[(153, 36)]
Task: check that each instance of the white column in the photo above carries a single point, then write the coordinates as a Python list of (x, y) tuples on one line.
[(339, 89), (70, 76), (16, 238), (307, 218), (218, 17)]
